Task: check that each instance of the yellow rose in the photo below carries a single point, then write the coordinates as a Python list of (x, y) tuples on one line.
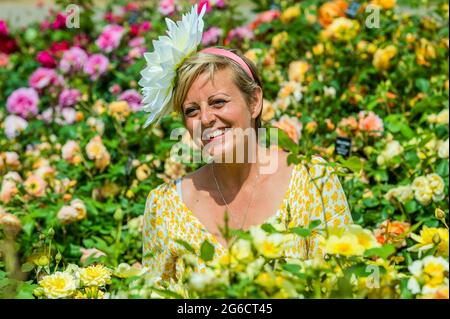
[(279, 40), (430, 236), (253, 54), (290, 14), (297, 70), (385, 4), (119, 109), (268, 111), (342, 29), (95, 275), (346, 245), (318, 49), (311, 127), (142, 172), (383, 57), (58, 285), (425, 51)]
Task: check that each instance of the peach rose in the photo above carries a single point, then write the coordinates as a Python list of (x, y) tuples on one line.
[(291, 125), (79, 206), (370, 122), (70, 152), (331, 10), (9, 187), (12, 160), (68, 215), (35, 185), (45, 172), (9, 221), (390, 232), (98, 152)]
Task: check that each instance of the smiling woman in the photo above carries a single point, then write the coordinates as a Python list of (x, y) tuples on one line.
[(219, 95)]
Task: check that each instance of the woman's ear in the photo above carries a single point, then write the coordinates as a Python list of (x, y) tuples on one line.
[(257, 102)]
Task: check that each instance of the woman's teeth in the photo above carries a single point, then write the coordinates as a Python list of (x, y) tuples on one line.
[(214, 134)]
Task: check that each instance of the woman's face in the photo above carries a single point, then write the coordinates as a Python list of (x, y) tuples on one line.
[(216, 112)]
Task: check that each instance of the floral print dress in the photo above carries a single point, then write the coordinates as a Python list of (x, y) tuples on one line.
[(167, 219)]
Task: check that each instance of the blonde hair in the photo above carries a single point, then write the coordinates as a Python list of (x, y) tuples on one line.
[(200, 63)]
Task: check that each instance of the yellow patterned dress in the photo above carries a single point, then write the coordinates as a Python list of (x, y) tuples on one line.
[(167, 219)]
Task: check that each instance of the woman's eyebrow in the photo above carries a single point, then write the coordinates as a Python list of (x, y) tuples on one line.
[(218, 94), (211, 96)]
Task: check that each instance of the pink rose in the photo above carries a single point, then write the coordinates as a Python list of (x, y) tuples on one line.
[(110, 37), (264, 17), (211, 36), (96, 65), (46, 59), (239, 33), (13, 125), (133, 98), (3, 28), (60, 22), (219, 3), (44, 77), (166, 7), (69, 97), (73, 60), (137, 42), (23, 102)]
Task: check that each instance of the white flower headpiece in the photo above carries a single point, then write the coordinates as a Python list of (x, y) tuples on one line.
[(169, 53)]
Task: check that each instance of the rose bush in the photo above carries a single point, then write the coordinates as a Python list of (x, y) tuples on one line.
[(76, 163)]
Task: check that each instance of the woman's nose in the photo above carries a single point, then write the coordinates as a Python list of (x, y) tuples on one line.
[(207, 116)]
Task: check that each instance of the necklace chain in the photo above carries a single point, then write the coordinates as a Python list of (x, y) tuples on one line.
[(228, 208)]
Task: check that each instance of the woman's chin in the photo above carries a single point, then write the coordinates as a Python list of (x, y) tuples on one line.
[(220, 153)]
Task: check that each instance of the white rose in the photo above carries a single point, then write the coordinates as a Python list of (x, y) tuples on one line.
[(242, 250), (443, 149)]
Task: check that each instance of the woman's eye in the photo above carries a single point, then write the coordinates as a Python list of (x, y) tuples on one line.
[(190, 111), (218, 102)]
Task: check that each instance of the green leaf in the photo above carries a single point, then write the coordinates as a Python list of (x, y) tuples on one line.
[(207, 251), (407, 131), (241, 234), (268, 228), (371, 202), (314, 224), (411, 206), (188, 247), (442, 168), (353, 163), (302, 232), (286, 142), (383, 252), (26, 267), (28, 227), (423, 84)]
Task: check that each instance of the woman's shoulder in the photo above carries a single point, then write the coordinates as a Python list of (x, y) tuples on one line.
[(161, 193), (316, 167)]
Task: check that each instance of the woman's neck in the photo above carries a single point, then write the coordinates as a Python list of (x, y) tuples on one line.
[(234, 176)]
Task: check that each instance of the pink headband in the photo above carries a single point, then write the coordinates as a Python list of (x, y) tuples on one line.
[(230, 55)]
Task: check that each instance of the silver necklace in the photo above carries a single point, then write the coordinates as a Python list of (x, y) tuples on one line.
[(228, 208)]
